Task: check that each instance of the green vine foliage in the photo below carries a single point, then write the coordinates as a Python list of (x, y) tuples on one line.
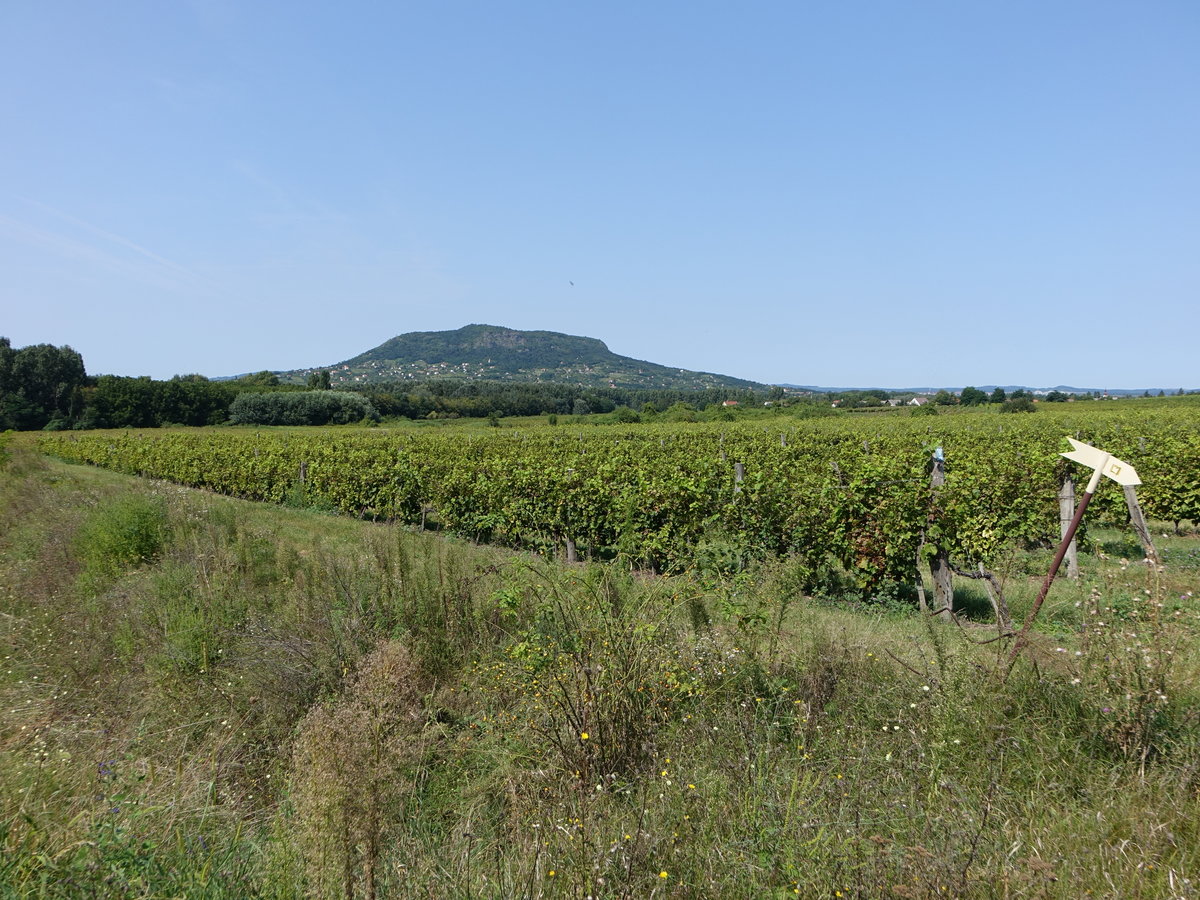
[(856, 490)]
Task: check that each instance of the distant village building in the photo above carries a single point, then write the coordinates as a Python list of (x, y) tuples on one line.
[(729, 403), (918, 401)]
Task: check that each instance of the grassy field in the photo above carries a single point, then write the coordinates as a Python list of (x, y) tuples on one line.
[(204, 697)]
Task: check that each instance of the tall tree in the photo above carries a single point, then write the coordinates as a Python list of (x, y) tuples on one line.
[(39, 385), (972, 396), (319, 380)]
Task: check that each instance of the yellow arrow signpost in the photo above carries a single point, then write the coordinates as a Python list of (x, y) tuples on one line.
[(1102, 464)]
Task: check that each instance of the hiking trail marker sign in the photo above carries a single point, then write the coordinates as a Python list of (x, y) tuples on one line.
[(1101, 463)]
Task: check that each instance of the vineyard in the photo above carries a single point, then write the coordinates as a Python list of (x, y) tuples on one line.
[(855, 490), (213, 698)]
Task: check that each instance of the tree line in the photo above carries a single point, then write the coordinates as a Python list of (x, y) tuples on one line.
[(47, 387), (446, 398)]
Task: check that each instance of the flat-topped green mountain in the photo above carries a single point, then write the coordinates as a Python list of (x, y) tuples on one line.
[(493, 353)]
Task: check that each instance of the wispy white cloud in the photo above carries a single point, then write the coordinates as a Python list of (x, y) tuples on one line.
[(110, 236), (89, 244)]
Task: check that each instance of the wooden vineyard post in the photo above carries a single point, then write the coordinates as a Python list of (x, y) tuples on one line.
[(1139, 524), (1101, 463), (1066, 511), (939, 563), (739, 474)]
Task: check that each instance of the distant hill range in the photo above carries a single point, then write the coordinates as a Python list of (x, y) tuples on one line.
[(493, 353), (988, 388)]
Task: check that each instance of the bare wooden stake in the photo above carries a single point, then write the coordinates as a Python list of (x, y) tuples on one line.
[(921, 604), (739, 473), (939, 563), (1066, 511), (1139, 524)]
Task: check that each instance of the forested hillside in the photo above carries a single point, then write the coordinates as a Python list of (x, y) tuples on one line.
[(494, 353)]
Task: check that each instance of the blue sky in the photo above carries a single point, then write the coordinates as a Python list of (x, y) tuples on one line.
[(852, 193)]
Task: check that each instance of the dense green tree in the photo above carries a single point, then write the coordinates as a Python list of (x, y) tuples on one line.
[(475, 398), (7, 353), (194, 400), (301, 408), (998, 396), (868, 399), (120, 402), (944, 398), (681, 412), (319, 380), (258, 379), (39, 386), (972, 396), (1018, 404)]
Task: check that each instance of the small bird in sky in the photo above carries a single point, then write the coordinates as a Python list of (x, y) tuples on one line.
[(571, 283)]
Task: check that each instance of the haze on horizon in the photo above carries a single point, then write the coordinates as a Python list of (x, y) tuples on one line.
[(863, 193)]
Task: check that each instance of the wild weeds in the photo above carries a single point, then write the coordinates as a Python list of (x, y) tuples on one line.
[(120, 534), (1127, 666), (355, 760), (287, 704)]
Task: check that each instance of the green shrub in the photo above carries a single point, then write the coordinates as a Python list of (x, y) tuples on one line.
[(814, 411), (680, 412), (1018, 404), (301, 408), (120, 535)]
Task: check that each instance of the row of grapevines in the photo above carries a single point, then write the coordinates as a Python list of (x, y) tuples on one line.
[(857, 490)]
